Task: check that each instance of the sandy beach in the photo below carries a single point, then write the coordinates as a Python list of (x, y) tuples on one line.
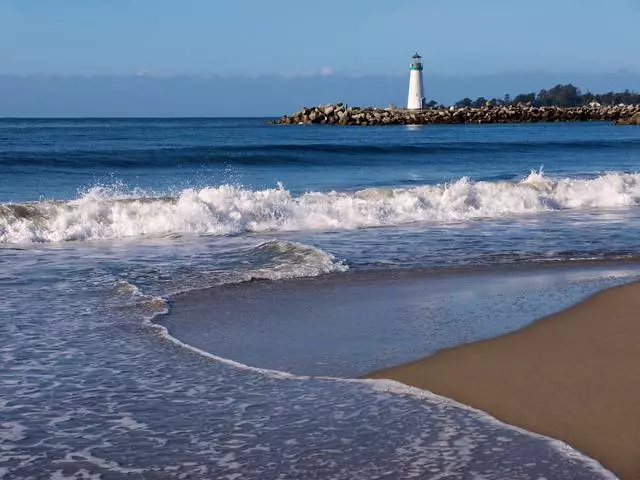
[(572, 376)]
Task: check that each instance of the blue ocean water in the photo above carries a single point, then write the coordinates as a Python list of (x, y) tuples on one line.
[(166, 155), (103, 221)]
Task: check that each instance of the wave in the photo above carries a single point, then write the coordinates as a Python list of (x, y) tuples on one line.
[(274, 260), (289, 153), (283, 260), (107, 213)]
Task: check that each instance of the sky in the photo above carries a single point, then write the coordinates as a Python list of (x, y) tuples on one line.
[(296, 37), (267, 57)]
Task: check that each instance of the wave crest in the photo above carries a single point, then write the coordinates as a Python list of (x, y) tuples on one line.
[(283, 260), (102, 213)]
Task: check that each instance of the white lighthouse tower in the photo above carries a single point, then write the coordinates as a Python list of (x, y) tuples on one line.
[(415, 100)]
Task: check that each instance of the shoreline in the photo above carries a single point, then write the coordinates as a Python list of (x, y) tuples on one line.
[(351, 324), (569, 454), (190, 327), (569, 376)]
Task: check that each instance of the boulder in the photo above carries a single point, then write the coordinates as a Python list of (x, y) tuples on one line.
[(634, 120)]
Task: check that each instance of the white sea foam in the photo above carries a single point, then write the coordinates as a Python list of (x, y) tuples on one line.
[(391, 387), (282, 260), (12, 431), (104, 214)]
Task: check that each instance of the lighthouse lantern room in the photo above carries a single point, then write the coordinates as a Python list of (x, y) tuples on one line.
[(415, 100)]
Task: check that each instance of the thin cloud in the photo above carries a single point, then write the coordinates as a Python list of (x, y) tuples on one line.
[(325, 71)]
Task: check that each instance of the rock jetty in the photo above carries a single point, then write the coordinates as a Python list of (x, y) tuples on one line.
[(341, 114), (634, 120)]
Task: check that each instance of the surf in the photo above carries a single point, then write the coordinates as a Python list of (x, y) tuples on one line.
[(111, 213)]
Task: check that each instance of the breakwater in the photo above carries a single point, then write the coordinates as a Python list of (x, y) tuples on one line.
[(341, 114)]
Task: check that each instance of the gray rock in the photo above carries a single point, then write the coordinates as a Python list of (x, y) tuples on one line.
[(634, 120)]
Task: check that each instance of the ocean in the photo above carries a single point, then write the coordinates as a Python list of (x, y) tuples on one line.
[(196, 298)]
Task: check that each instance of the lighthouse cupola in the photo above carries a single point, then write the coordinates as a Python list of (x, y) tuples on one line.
[(415, 100), (416, 62)]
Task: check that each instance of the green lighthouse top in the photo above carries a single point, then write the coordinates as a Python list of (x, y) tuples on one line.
[(416, 62)]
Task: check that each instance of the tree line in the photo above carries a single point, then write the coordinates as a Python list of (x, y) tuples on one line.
[(560, 96)]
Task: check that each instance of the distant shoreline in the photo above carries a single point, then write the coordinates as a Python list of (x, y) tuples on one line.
[(341, 114)]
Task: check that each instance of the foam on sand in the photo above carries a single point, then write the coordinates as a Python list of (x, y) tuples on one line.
[(385, 387)]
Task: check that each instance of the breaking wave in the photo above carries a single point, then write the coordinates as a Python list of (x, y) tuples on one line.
[(102, 213), (270, 260), (283, 260)]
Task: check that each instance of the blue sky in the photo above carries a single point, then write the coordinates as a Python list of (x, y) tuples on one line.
[(267, 57), (296, 37)]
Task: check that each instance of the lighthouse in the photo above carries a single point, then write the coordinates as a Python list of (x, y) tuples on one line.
[(416, 97)]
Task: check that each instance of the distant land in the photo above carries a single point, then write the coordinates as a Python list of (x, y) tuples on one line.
[(268, 95)]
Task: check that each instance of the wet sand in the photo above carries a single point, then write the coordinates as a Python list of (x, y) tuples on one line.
[(574, 376)]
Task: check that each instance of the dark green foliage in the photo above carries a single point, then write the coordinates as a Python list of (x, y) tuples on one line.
[(627, 97), (480, 102), (524, 98), (465, 102), (559, 96)]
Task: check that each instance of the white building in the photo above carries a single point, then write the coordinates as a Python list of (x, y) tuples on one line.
[(415, 101)]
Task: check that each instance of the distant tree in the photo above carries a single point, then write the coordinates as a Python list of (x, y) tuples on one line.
[(465, 102), (561, 96), (479, 102), (524, 98), (606, 98), (541, 97), (431, 104), (627, 97)]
